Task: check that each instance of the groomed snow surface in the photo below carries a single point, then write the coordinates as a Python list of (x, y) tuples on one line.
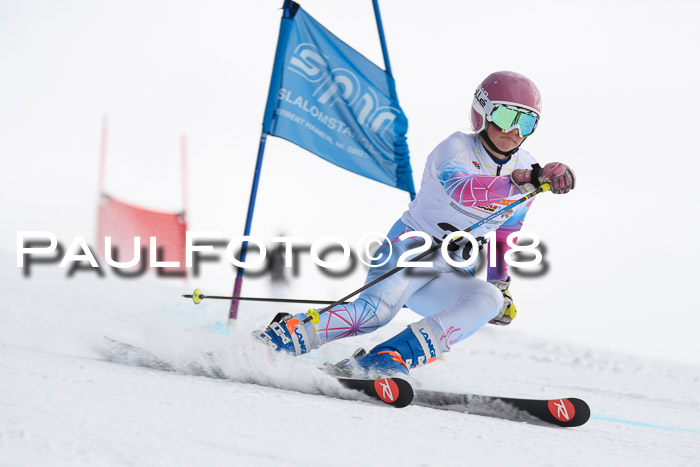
[(65, 401)]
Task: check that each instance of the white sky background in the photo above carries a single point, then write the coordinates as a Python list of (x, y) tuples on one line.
[(619, 81)]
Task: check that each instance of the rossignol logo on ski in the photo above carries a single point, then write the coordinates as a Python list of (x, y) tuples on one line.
[(387, 390), (562, 409)]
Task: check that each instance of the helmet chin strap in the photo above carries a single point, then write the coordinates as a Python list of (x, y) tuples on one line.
[(484, 134)]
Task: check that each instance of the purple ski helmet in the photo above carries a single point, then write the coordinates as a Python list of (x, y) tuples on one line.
[(503, 87)]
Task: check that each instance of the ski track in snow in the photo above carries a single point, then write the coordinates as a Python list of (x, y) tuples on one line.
[(67, 398)]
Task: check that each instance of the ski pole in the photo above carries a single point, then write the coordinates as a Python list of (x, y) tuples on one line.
[(197, 296), (314, 315)]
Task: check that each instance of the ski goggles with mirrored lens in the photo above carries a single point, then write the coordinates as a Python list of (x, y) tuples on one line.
[(506, 118)]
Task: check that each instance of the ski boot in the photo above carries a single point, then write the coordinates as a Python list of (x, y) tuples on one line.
[(412, 347), (287, 333)]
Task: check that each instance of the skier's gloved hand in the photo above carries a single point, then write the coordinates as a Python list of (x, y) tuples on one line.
[(287, 333), (560, 176), (507, 312)]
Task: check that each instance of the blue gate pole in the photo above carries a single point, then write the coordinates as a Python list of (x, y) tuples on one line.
[(238, 284), (382, 40), (387, 63), (290, 9)]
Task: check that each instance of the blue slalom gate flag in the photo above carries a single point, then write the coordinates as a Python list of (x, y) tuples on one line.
[(329, 99)]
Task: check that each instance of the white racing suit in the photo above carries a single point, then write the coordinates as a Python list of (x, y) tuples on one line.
[(462, 184)]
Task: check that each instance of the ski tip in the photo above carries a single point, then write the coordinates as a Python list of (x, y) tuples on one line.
[(396, 392), (569, 412)]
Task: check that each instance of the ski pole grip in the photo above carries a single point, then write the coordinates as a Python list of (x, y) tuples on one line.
[(545, 187)]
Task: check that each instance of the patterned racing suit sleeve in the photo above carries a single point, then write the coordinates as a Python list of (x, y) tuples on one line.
[(469, 188)]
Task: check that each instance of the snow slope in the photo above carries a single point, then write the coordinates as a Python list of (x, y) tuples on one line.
[(63, 402)]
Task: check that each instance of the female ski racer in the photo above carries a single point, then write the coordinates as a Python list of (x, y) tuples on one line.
[(467, 177)]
